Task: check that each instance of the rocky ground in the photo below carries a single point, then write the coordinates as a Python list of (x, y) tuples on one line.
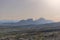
[(55, 35)]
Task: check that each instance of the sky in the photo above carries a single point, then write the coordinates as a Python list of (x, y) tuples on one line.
[(24, 9)]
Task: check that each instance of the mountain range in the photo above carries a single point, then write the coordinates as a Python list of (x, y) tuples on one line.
[(31, 21), (27, 22)]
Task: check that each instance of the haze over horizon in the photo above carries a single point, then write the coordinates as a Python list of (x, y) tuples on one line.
[(24, 9)]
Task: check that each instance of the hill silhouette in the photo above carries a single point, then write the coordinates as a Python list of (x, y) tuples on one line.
[(31, 21), (27, 22)]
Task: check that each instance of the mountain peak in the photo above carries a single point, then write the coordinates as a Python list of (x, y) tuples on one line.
[(43, 21)]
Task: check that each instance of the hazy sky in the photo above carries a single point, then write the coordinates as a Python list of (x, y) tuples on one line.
[(23, 9)]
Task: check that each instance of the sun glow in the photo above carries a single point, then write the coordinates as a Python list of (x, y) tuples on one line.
[(53, 3)]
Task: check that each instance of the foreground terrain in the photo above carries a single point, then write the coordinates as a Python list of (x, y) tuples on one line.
[(31, 35)]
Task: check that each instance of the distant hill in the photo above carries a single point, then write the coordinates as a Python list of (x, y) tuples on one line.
[(43, 21), (27, 22), (36, 22), (8, 21)]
